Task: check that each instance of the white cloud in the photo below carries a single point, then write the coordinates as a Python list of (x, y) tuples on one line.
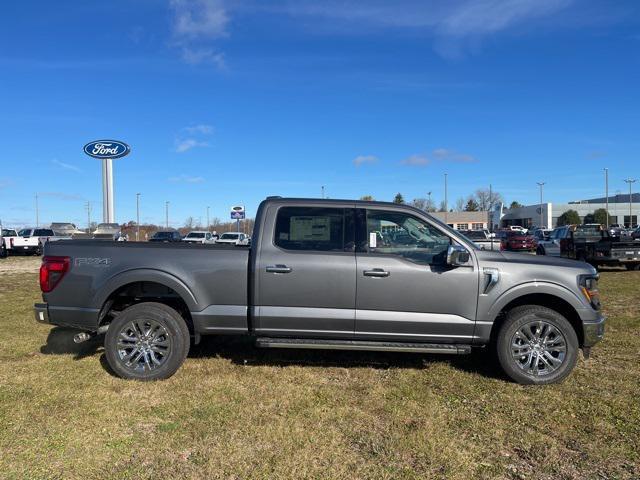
[(447, 155), (187, 144), (202, 129), (416, 160), (195, 24), (454, 25), (364, 159), (65, 166), (186, 179)]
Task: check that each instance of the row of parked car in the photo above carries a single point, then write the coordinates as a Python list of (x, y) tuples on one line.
[(201, 237), (30, 241), (591, 243)]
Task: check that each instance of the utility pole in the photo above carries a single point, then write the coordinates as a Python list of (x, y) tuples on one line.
[(37, 212), (606, 193), (541, 185), (322, 190), (490, 208), (630, 181), (88, 217), (137, 217), (166, 214), (208, 229), (429, 204), (446, 199)]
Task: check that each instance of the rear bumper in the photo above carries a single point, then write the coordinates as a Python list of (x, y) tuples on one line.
[(24, 248), (41, 311), (82, 318), (593, 330)]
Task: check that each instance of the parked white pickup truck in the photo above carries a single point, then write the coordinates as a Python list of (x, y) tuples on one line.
[(6, 241), (482, 239), (31, 240)]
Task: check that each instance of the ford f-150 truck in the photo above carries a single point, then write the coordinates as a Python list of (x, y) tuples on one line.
[(329, 274)]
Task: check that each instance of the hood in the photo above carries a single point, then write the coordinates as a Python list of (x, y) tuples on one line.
[(524, 259)]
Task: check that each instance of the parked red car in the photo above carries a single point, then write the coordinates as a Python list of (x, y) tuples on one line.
[(517, 241)]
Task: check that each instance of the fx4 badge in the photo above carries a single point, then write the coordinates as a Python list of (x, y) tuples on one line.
[(92, 262)]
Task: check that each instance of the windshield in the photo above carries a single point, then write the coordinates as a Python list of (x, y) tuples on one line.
[(43, 232), (195, 235), (229, 236), (163, 235), (8, 233), (25, 232)]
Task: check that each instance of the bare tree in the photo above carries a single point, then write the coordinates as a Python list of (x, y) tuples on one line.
[(188, 223), (487, 199), (459, 204)]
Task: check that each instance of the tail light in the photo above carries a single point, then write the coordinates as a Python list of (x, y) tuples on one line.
[(51, 272)]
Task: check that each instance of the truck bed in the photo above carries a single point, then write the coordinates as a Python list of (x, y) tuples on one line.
[(211, 280)]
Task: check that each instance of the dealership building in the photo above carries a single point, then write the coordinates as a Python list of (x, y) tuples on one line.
[(530, 215)]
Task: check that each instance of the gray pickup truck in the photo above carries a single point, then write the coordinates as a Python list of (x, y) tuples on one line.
[(328, 274)]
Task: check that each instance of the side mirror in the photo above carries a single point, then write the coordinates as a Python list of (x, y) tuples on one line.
[(457, 256)]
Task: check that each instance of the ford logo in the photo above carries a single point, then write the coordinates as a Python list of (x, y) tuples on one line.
[(107, 149)]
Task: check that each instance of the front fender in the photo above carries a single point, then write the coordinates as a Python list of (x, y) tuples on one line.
[(536, 287), (145, 275)]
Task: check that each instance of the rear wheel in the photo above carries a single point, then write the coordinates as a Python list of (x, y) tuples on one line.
[(540, 251), (537, 345), (3, 251), (147, 341)]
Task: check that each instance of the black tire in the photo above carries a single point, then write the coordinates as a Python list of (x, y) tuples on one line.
[(38, 251), (540, 251), (170, 331), (521, 319), (632, 266), (3, 250)]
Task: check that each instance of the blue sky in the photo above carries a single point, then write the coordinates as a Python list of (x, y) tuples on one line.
[(228, 102)]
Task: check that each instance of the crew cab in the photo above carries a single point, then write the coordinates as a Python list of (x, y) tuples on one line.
[(234, 238), (198, 236), (7, 237), (31, 240), (328, 274)]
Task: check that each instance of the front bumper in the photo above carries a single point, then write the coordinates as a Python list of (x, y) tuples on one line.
[(593, 330), (41, 311)]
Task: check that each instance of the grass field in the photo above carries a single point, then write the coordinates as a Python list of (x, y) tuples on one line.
[(236, 412)]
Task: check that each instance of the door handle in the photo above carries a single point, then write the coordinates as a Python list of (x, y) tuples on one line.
[(278, 269), (376, 272)]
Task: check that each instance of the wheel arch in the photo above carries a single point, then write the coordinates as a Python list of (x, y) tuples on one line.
[(548, 300)]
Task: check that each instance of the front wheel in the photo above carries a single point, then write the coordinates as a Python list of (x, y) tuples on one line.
[(540, 251), (3, 251), (537, 345), (147, 341)]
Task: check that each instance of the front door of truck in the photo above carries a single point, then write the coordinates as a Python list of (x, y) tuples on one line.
[(405, 289), (305, 273)]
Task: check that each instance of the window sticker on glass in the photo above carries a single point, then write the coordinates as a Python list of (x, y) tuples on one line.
[(310, 228), (373, 240)]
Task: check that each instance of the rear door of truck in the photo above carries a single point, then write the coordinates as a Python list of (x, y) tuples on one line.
[(305, 271)]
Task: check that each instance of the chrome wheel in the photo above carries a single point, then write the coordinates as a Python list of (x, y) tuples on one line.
[(143, 345), (538, 348)]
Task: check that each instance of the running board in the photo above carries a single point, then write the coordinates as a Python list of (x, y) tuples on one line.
[(266, 342)]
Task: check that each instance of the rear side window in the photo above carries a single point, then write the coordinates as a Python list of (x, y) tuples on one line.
[(311, 228), (43, 232)]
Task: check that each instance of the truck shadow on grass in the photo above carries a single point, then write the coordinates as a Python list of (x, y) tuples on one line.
[(242, 351), (60, 342)]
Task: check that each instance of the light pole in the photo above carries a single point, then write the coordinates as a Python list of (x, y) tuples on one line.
[(630, 181), (137, 217), (88, 217), (429, 204), (208, 219), (37, 212), (446, 199), (606, 193), (541, 185), (166, 214), (322, 190)]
